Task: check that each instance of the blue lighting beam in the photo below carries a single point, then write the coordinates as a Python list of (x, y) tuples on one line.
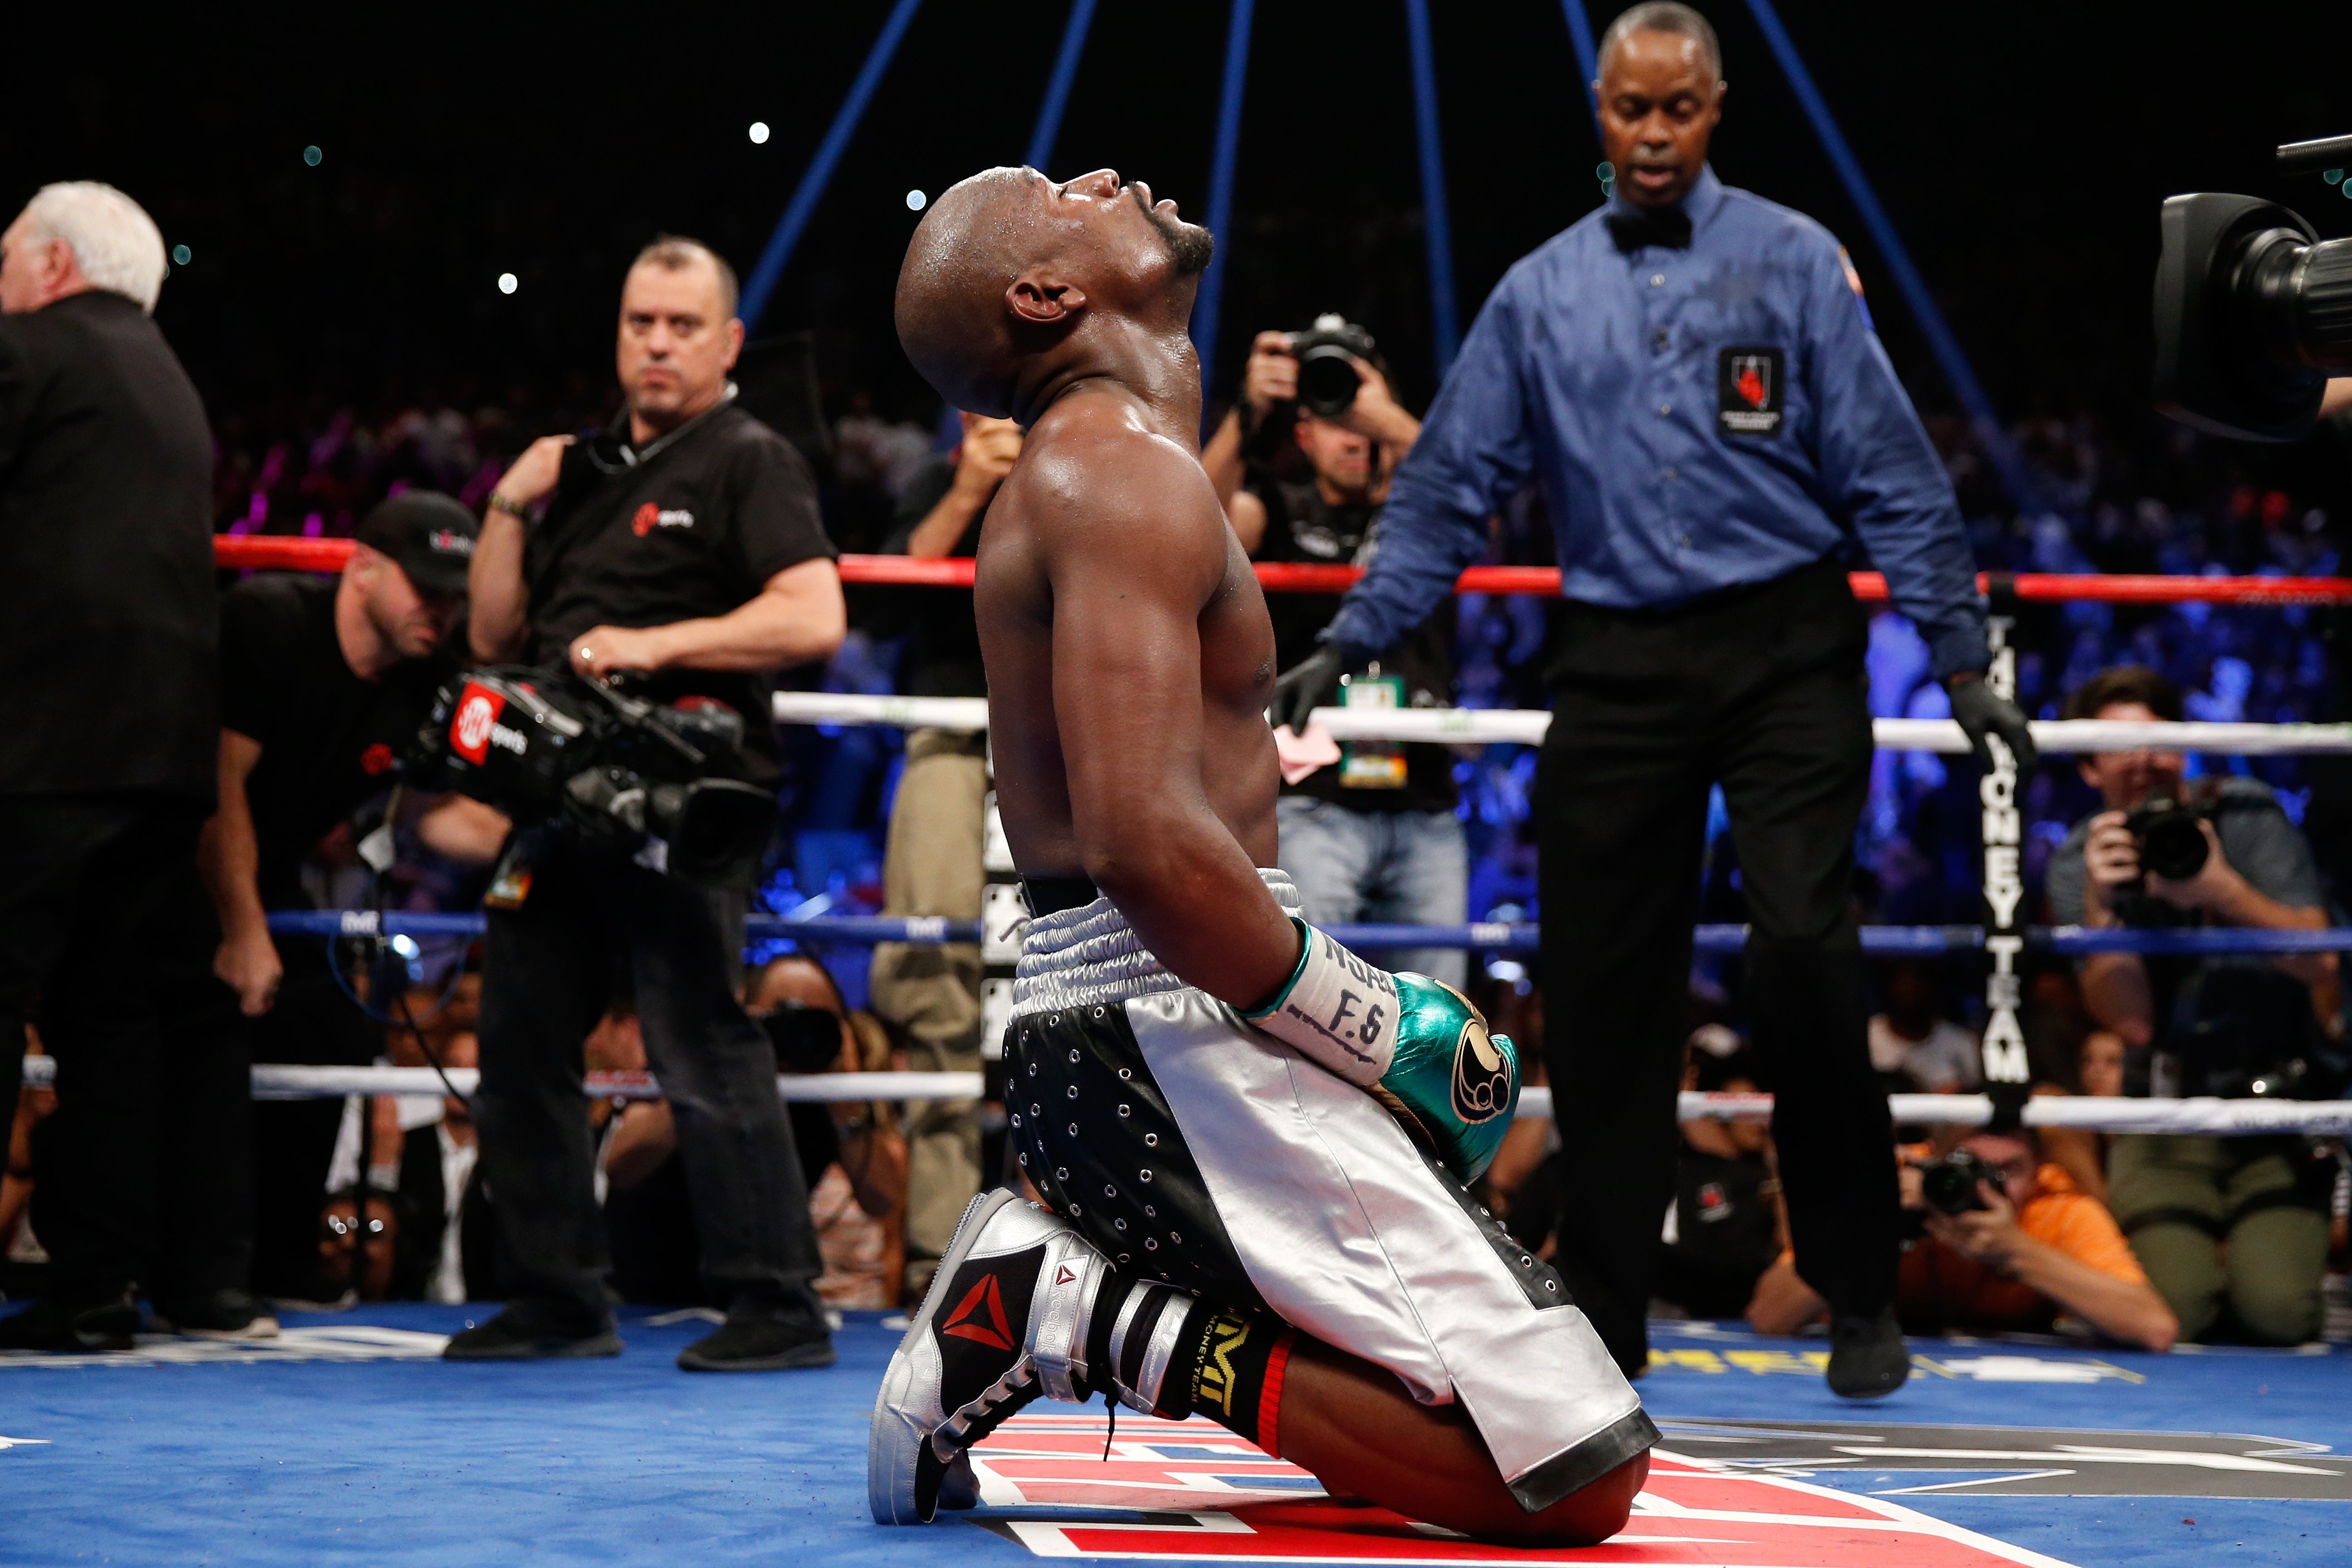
[(1057, 87), (1436, 229), (1220, 186), (2007, 461), (1588, 67), (761, 285)]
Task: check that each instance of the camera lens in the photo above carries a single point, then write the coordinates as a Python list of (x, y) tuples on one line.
[(2173, 847), (1327, 382), (1949, 1185)]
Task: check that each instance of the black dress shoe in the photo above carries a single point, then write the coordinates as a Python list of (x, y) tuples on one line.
[(761, 1339), (46, 1326), (516, 1335), (230, 1314), (1868, 1357)]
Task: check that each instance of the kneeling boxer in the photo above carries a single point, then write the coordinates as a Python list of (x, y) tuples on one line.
[(1252, 1144)]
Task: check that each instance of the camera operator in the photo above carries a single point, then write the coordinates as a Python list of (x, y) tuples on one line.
[(2010, 1244), (325, 683), (930, 993), (1374, 837), (683, 546), (2234, 1231), (108, 625)]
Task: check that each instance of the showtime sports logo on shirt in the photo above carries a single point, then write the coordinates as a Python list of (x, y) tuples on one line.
[(474, 728), (650, 517)]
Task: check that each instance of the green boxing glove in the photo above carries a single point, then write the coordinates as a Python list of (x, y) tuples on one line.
[(1413, 1043)]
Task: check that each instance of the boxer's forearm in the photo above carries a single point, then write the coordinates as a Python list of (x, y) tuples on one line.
[(1197, 903)]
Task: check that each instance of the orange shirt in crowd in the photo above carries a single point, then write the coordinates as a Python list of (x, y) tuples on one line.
[(1937, 1283)]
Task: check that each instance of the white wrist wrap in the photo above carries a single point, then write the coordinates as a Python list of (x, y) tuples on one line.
[(1339, 1010)]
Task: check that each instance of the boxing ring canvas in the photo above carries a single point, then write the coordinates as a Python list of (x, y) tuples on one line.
[(349, 1440)]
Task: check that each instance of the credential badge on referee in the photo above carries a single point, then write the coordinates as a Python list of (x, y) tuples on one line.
[(1748, 392)]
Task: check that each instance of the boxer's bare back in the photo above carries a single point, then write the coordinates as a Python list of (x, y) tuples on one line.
[(1130, 663)]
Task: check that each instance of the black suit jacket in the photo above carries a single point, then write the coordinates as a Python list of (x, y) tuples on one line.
[(109, 618)]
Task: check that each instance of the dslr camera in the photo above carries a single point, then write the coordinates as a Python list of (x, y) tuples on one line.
[(1327, 354), (2171, 843), (1949, 1181), (624, 774), (2253, 309)]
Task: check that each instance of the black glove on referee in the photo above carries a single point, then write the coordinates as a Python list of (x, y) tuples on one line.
[(1303, 687), (1981, 712)]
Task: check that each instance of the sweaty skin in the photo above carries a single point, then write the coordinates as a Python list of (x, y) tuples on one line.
[(1130, 663)]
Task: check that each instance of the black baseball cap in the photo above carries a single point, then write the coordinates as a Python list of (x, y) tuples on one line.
[(430, 535)]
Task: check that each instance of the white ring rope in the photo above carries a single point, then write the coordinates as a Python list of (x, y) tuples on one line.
[(2221, 1118), (1526, 726), (275, 1082)]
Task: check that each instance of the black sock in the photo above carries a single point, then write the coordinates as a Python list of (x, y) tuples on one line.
[(1229, 1367)]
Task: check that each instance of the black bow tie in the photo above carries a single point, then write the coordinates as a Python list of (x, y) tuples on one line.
[(1668, 226)]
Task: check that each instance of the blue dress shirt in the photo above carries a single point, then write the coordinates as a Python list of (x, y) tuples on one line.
[(1698, 419)]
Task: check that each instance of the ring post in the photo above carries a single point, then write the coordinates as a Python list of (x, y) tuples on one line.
[(2004, 880)]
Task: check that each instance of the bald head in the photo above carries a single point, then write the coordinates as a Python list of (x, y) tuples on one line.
[(1009, 269), (970, 246)]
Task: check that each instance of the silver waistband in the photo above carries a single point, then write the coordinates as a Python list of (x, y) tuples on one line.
[(1091, 955)]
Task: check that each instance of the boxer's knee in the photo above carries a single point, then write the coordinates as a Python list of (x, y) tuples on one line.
[(1586, 1517)]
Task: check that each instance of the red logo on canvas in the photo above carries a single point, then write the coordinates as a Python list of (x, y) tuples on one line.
[(964, 1322), (377, 760), (1192, 1493), (469, 728), (644, 521)]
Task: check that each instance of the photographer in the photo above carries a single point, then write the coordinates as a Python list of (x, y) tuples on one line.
[(325, 683), (108, 622), (2010, 1245), (685, 547), (1374, 837), (2234, 1231)]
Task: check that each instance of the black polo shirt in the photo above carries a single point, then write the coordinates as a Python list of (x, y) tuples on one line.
[(331, 742), (693, 530)]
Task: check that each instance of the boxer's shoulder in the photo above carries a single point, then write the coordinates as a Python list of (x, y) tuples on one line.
[(1099, 484)]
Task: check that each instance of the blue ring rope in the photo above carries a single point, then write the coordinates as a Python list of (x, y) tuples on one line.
[(1878, 941)]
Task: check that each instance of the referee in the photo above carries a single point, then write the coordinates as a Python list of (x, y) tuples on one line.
[(1690, 376)]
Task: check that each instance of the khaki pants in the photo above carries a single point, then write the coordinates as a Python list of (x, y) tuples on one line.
[(930, 994), (2224, 1222)]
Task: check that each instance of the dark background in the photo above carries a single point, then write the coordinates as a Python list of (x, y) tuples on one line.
[(2021, 148)]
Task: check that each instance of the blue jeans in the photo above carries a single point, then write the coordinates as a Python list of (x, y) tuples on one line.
[(1406, 867)]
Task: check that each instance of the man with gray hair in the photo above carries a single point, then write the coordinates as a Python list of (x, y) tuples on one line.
[(108, 721)]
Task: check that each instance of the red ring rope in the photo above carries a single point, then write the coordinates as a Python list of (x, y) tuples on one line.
[(265, 552)]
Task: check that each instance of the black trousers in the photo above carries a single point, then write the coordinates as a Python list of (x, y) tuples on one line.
[(1761, 689), (548, 974), (142, 1176)]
